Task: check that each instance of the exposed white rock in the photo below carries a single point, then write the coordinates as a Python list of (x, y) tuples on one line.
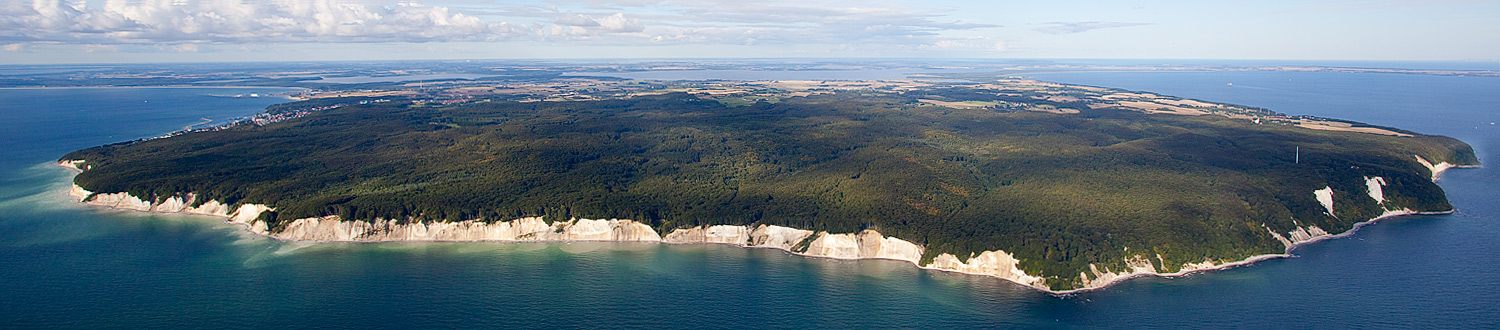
[(845, 246), (120, 201), (727, 234), (1278, 237), (211, 207), (1325, 197), (524, 228), (77, 164), (722, 234), (1190, 267), (585, 229), (79, 193), (1137, 265), (994, 263), (627, 230), (686, 235), (1304, 234), (873, 245), (864, 244), (174, 204), (779, 237), (333, 229), (1376, 187), (247, 213), (1435, 169)]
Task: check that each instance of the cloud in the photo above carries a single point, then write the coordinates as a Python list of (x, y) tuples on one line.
[(738, 22), (576, 27), (861, 25), (971, 44), (616, 23), (228, 21), (97, 48), (184, 48), (1080, 27)]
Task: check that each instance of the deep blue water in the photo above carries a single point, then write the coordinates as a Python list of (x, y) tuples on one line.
[(63, 265)]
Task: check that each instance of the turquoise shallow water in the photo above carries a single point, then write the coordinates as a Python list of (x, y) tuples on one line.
[(64, 265)]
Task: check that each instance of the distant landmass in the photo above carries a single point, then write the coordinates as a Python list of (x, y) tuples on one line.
[(417, 74), (1059, 187)]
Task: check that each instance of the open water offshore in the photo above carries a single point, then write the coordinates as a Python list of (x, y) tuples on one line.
[(64, 265)]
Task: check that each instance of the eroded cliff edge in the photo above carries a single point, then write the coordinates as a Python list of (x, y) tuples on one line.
[(865, 244)]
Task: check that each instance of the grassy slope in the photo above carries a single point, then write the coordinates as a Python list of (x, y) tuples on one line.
[(1059, 191)]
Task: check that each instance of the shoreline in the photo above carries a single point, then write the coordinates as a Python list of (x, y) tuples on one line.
[(1252, 259), (250, 227), (1437, 172)]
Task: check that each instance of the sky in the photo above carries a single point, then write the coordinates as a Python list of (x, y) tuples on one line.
[(126, 31)]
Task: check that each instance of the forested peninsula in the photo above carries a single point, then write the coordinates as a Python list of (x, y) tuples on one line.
[(1055, 186)]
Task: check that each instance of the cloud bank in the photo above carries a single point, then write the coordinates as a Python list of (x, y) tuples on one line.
[(1080, 27), (785, 22), (228, 21), (839, 25)]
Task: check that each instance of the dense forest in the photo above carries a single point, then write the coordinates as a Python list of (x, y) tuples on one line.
[(1060, 191)]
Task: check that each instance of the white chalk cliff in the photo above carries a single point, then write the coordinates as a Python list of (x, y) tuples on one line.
[(865, 244), (1435, 169), (1325, 197), (1375, 187)]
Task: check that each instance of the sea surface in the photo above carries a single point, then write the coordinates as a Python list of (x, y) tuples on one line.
[(395, 78), (756, 74), (64, 265)]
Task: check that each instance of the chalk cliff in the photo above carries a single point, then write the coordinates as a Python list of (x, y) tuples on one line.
[(865, 244)]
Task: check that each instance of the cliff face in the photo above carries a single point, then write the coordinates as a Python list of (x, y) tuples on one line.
[(866, 244), (525, 229)]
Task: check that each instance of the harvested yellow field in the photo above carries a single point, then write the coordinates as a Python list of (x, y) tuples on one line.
[(1345, 127)]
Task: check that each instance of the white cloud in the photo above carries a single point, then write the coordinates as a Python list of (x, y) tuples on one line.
[(573, 26), (97, 48), (970, 44), (1080, 27), (229, 21), (860, 25), (738, 22), (184, 48), (616, 23)]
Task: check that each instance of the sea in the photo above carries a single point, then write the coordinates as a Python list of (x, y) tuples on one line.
[(65, 265)]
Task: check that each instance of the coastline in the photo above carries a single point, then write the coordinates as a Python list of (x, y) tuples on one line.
[(999, 263), (1437, 171), (1252, 259)]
